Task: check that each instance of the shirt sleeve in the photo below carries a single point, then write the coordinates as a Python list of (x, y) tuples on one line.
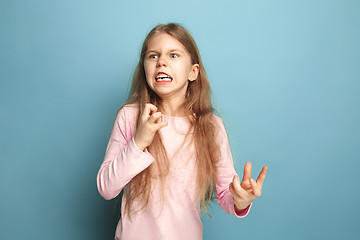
[(226, 173), (123, 159)]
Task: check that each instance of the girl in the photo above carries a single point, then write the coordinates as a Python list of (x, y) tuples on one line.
[(167, 149)]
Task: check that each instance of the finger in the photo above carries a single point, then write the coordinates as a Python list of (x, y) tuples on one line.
[(262, 175), (149, 109), (161, 125), (237, 187), (256, 188), (247, 172), (233, 191), (155, 117)]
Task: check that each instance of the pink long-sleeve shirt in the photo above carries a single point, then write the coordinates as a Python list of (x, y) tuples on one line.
[(179, 215)]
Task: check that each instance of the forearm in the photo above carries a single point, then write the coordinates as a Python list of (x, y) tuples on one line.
[(115, 173)]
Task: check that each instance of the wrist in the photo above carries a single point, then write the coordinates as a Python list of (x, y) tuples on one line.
[(241, 206), (242, 212), (139, 145), (238, 209)]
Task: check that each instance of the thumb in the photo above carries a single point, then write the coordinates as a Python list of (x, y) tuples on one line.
[(236, 186), (149, 109), (161, 124)]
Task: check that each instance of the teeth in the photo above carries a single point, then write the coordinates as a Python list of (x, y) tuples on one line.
[(163, 77)]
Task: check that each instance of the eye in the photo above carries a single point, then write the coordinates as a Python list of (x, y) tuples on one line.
[(174, 55), (153, 56)]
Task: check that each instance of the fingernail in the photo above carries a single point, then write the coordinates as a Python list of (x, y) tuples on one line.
[(252, 180)]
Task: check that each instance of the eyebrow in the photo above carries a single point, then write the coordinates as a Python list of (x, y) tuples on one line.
[(156, 51)]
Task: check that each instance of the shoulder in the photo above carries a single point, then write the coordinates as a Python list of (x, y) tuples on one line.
[(128, 111), (218, 120), (127, 115), (219, 125), (125, 121), (130, 107)]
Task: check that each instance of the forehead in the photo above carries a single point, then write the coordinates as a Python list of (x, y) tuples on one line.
[(163, 42)]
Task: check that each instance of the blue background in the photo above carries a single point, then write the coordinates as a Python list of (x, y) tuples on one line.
[(285, 77)]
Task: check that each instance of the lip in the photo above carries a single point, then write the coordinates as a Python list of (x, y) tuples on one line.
[(162, 73), (162, 82)]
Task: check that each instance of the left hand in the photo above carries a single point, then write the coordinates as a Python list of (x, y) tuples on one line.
[(245, 192)]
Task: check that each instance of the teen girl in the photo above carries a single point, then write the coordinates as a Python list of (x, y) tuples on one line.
[(167, 150)]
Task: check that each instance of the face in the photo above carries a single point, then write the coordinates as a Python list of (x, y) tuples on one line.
[(168, 67)]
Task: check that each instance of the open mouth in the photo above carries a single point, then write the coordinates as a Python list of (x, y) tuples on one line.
[(163, 77)]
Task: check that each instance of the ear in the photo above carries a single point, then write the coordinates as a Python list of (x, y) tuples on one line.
[(194, 72)]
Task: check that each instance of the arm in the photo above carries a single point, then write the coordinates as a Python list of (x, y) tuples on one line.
[(226, 173), (123, 159)]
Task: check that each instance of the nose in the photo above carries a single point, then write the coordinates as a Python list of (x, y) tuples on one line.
[(161, 62)]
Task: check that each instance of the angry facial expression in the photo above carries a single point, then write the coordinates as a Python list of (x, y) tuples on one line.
[(168, 67)]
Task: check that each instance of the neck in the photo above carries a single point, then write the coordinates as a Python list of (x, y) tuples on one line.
[(171, 107)]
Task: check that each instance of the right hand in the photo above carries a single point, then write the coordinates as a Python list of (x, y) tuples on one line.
[(149, 123)]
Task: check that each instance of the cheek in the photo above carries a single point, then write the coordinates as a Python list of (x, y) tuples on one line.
[(147, 70), (187, 71), (182, 70)]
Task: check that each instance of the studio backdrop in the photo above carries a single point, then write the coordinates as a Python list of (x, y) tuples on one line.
[(284, 76)]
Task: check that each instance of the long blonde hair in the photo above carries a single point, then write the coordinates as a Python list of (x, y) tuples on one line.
[(198, 105)]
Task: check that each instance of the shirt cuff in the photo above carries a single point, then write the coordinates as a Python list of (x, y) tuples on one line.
[(145, 150), (242, 213)]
